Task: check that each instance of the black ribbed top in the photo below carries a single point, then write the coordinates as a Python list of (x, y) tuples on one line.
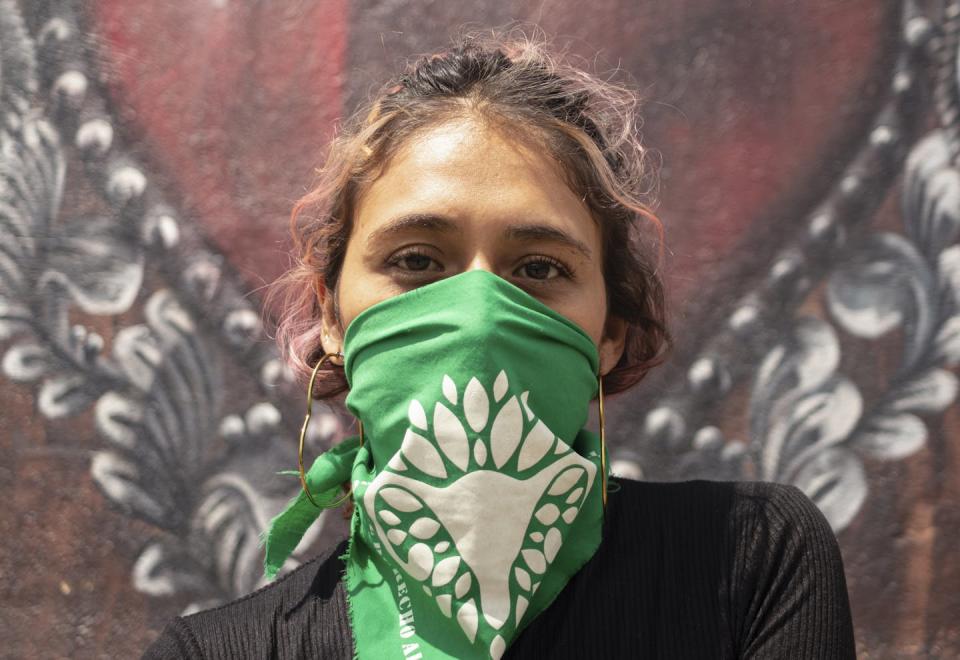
[(696, 569)]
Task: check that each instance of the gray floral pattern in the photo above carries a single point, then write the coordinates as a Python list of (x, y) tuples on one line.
[(174, 454), (809, 424)]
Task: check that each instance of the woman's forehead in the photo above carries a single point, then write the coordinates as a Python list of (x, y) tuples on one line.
[(466, 169)]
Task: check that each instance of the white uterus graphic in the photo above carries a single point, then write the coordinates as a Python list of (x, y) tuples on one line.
[(487, 506)]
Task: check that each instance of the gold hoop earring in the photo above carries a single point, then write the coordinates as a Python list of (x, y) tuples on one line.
[(303, 434), (603, 442)]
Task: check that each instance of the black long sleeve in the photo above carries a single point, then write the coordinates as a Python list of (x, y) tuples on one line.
[(698, 569), (790, 592)]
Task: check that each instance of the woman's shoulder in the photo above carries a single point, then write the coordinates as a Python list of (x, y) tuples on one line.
[(311, 592), (755, 491), (744, 517), (743, 502), (766, 547)]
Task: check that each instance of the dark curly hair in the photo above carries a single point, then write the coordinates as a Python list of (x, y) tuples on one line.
[(509, 79)]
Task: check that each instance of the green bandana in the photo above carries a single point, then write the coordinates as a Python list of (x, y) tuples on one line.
[(477, 491)]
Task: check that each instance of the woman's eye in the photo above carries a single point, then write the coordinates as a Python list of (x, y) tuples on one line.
[(415, 262), (541, 269)]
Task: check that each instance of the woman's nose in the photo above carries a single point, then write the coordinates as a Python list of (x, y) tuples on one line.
[(481, 262)]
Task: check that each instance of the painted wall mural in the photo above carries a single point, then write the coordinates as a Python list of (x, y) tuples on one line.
[(149, 158)]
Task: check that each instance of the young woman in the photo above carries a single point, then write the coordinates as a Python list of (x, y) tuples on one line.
[(472, 270)]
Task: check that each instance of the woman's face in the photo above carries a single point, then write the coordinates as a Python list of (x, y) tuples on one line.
[(462, 197)]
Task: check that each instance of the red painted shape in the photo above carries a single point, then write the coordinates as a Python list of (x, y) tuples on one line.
[(746, 101), (234, 101)]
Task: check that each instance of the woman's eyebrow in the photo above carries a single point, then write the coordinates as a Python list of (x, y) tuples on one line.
[(534, 231), (528, 231), (428, 221)]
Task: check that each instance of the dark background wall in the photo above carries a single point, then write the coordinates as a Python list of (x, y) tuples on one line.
[(149, 157)]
